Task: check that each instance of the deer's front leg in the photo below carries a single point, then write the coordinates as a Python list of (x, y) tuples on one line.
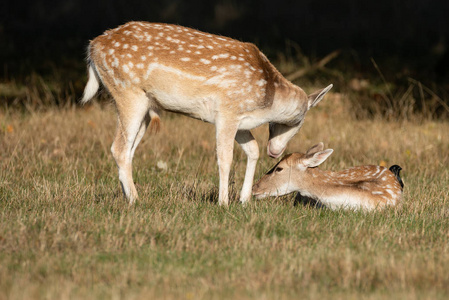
[(226, 132), (251, 149)]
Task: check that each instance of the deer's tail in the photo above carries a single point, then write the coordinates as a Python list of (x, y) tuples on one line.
[(93, 84), (395, 169), (155, 123)]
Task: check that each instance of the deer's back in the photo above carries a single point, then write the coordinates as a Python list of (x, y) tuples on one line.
[(173, 59), (375, 183)]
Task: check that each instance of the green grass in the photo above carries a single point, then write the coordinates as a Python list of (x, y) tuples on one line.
[(67, 233)]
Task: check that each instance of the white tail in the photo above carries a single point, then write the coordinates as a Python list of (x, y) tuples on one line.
[(363, 187), (92, 86), (148, 67)]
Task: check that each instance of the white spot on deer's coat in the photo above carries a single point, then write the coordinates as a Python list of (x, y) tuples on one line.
[(125, 68), (134, 48), (221, 81), (185, 59), (205, 61), (115, 62), (261, 82), (390, 192), (224, 55)]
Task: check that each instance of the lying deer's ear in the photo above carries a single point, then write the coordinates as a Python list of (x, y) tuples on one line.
[(315, 148), (316, 159), (316, 97)]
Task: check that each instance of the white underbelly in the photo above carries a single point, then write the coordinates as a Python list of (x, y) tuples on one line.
[(181, 92), (347, 202), (202, 108)]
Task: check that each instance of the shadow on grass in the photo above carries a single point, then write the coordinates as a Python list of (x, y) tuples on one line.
[(307, 201)]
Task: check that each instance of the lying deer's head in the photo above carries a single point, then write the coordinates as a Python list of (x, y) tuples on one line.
[(290, 172)]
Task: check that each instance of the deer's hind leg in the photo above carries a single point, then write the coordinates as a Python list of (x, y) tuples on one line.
[(132, 122)]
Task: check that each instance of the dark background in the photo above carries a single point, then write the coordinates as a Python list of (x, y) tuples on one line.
[(404, 37)]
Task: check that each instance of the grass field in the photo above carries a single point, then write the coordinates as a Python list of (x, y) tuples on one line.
[(67, 233)]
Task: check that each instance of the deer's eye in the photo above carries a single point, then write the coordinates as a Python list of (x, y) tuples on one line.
[(279, 169)]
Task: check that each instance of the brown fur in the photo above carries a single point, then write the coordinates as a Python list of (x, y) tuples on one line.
[(155, 125)]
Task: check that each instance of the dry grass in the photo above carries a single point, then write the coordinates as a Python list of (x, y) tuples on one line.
[(67, 233)]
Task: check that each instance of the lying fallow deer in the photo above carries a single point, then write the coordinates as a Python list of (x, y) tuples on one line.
[(363, 187), (150, 67)]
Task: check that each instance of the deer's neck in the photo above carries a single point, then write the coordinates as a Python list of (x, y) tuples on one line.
[(289, 101)]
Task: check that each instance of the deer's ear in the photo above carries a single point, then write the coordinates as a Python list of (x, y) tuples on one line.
[(316, 159), (315, 148), (316, 97)]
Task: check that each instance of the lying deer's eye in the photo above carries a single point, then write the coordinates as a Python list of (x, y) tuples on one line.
[(279, 170)]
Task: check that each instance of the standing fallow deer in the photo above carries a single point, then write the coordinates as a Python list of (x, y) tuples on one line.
[(363, 187), (149, 67)]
